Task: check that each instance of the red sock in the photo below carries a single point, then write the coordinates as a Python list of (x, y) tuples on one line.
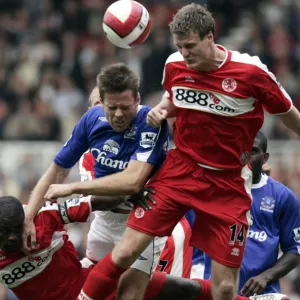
[(206, 291), (155, 285), (103, 279)]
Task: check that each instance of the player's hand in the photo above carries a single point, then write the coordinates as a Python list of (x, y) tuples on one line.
[(58, 191), (29, 235), (155, 116), (254, 285), (144, 199)]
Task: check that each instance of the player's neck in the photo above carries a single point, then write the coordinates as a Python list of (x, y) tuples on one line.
[(256, 178), (214, 61)]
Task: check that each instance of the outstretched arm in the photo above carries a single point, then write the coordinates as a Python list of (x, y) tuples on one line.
[(128, 182), (292, 120), (80, 209)]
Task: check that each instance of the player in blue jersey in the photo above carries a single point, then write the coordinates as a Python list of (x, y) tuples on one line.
[(126, 151), (275, 212)]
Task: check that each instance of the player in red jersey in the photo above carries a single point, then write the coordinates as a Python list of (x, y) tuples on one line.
[(176, 258), (218, 97), (53, 270)]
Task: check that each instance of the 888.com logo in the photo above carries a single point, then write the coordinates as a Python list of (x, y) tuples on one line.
[(17, 273), (200, 100), (26, 268)]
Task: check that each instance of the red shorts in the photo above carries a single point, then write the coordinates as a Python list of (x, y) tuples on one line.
[(221, 201)]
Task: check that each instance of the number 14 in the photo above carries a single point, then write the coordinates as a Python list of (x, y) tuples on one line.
[(237, 236)]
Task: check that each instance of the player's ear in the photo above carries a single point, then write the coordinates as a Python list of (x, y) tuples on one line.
[(101, 101), (138, 99), (266, 157), (210, 37)]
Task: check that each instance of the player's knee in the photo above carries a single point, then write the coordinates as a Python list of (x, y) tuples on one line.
[(226, 290), (132, 244), (125, 255)]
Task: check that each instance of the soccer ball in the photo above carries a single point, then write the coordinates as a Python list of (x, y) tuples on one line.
[(126, 23)]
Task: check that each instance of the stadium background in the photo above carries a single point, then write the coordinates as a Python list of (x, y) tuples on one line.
[(52, 50)]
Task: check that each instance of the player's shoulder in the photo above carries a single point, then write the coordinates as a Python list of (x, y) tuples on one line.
[(280, 189), (245, 58), (174, 57), (252, 62), (141, 115)]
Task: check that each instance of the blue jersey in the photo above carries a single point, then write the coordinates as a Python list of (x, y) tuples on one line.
[(113, 150), (275, 213), (190, 216), (198, 257)]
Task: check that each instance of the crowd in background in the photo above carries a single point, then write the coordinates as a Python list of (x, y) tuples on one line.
[(52, 50)]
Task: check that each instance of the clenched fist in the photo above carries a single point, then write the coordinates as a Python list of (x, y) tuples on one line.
[(155, 116)]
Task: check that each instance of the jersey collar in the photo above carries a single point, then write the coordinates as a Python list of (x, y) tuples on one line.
[(226, 55)]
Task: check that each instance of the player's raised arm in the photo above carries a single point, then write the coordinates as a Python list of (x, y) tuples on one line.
[(291, 120), (56, 173), (274, 97), (165, 109)]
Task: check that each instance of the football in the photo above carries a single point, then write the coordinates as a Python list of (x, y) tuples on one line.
[(126, 23)]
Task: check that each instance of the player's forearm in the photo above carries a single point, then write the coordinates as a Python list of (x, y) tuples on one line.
[(292, 120), (54, 174), (286, 263), (105, 202), (120, 184)]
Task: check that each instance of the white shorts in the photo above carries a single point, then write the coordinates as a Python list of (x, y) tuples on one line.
[(106, 231), (198, 271)]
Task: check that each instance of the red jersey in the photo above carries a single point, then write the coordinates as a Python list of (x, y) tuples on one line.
[(176, 258), (86, 166), (53, 271), (220, 112)]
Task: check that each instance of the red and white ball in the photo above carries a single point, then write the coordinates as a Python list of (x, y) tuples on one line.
[(126, 23)]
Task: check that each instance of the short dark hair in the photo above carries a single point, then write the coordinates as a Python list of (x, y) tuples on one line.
[(193, 18), (117, 78), (10, 207), (263, 141)]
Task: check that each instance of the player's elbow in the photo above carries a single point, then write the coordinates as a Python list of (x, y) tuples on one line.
[(134, 185), (136, 175), (295, 260), (134, 188)]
